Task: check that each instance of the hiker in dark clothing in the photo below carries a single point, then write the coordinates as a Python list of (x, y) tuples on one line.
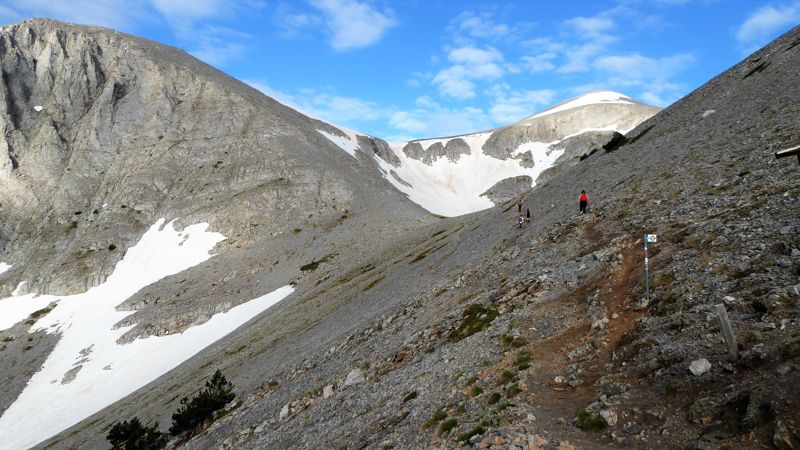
[(584, 200), (519, 206), (528, 214)]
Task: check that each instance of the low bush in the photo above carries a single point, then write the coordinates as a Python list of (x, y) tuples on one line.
[(217, 393), (132, 435)]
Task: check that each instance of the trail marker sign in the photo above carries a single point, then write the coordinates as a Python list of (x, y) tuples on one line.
[(651, 238)]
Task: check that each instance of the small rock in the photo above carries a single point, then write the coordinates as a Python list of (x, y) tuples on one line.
[(728, 300), (614, 316), (793, 290), (699, 367), (784, 369), (610, 416), (782, 438), (327, 391), (354, 377), (284, 412)]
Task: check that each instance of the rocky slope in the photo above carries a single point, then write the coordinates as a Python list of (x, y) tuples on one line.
[(409, 331), (462, 174), (103, 134)]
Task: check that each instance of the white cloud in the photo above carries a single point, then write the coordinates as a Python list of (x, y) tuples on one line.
[(636, 66), (474, 55), (590, 27), (118, 14), (480, 26), (578, 58), (766, 22), (354, 24), (428, 118), (471, 63), (651, 75), (539, 63), (329, 107), (453, 82), (511, 105), (190, 9), (293, 24), (405, 121)]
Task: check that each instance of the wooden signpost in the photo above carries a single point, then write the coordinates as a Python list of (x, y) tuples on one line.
[(727, 331)]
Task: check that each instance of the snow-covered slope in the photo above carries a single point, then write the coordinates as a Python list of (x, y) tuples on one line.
[(88, 370), (454, 175)]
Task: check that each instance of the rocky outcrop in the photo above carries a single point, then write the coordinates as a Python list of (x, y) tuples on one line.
[(563, 124), (508, 189), (452, 150)]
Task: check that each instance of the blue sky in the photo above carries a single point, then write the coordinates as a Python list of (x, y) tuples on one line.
[(424, 68)]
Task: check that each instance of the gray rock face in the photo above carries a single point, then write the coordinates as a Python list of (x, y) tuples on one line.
[(559, 125), (452, 150), (507, 189), (130, 131)]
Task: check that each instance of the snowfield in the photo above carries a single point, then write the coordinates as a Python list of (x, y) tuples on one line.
[(454, 188), (592, 98), (88, 370)]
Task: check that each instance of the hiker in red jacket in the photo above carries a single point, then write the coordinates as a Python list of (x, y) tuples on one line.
[(584, 201)]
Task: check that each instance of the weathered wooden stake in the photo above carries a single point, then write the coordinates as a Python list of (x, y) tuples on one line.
[(727, 331)]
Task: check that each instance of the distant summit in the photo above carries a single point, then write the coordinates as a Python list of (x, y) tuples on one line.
[(463, 174)]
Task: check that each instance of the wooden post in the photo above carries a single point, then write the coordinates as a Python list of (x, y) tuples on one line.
[(727, 331)]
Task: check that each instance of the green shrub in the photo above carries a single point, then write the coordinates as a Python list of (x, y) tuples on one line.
[(475, 391), (217, 393), (475, 318), (493, 398), (512, 390), (446, 426), (506, 376), (437, 417), (587, 421), (132, 435), (468, 435)]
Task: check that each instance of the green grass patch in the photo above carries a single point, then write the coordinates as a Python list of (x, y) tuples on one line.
[(475, 318), (475, 391), (513, 390), (494, 397), (438, 416), (314, 264), (469, 434), (506, 376), (410, 396), (446, 426)]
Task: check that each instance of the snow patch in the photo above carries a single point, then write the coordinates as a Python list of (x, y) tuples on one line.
[(591, 98), (4, 267), (348, 144), (454, 188), (708, 112), (103, 370)]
